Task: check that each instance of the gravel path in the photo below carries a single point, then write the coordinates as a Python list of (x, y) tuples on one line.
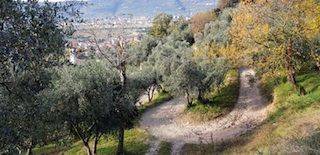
[(164, 123)]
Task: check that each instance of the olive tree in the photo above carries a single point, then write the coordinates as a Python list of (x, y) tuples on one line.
[(184, 80), (149, 78), (140, 52), (211, 74), (87, 99), (32, 40)]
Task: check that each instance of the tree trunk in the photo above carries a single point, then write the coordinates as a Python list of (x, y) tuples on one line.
[(120, 150), (123, 75), (29, 151), (200, 97), (318, 65), (291, 73), (292, 79), (30, 147), (149, 95), (188, 98), (86, 145), (95, 144), (152, 92)]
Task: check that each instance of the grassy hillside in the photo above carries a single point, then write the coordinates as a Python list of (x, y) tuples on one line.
[(135, 144), (294, 122), (292, 126)]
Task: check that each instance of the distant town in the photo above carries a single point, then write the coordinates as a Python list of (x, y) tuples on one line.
[(104, 32)]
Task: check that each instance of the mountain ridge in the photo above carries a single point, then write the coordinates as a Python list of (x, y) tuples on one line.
[(103, 8)]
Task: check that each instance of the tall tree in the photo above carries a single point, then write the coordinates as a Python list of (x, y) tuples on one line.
[(274, 33), (212, 72), (184, 80), (91, 100), (118, 57), (32, 40)]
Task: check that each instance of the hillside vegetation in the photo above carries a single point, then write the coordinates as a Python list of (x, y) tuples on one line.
[(221, 100), (292, 124), (49, 104)]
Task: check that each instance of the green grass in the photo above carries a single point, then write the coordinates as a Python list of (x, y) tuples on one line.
[(49, 149), (269, 84), (135, 144), (165, 148), (161, 97), (288, 101), (294, 121), (135, 139), (220, 102)]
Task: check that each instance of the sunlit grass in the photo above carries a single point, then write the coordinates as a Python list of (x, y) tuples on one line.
[(294, 121), (135, 144), (135, 139), (159, 98)]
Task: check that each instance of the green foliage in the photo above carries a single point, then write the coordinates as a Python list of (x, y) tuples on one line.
[(213, 73), (77, 92), (86, 98), (217, 31), (31, 42), (140, 52), (185, 79), (286, 99), (180, 30), (216, 36), (221, 100), (160, 25), (276, 36), (134, 145), (161, 97), (168, 56), (165, 148), (145, 74)]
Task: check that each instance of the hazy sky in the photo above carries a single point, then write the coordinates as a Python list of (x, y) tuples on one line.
[(57, 0)]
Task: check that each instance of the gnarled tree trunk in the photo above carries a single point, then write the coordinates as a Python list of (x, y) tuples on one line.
[(150, 92), (291, 72), (318, 65), (120, 150), (29, 151), (189, 100), (201, 98), (87, 147), (123, 78), (95, 144)]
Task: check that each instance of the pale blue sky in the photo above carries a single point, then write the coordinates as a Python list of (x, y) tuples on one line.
[(57, 0)]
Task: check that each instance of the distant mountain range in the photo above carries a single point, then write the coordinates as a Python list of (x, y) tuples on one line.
[(105, 8)]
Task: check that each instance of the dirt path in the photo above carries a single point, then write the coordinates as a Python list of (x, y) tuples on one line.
[(163, 121)]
